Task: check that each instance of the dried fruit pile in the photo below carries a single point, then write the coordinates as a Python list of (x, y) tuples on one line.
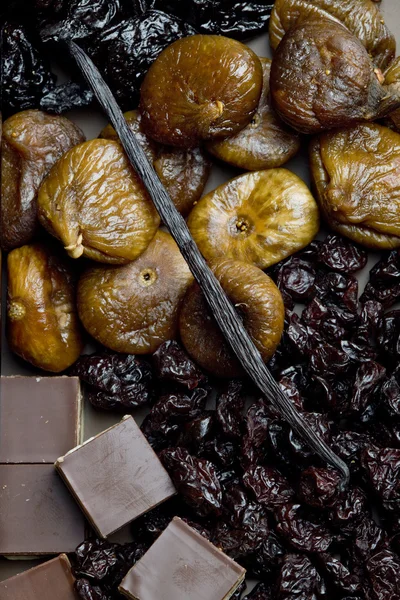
[(244, 479)]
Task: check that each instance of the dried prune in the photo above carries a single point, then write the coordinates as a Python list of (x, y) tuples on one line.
[(369, 538), (369, 323), (383, 571), (297, 278), (318, 487), (66, 96), (95, 559), (349, 507), (269, 487), (389, 334), (267, 559), (298, 578), (369, 377), (300, 532), (171, 363), (115, 381), (262, 591), (383, 469), (341, 255), (230, 406), (195, 433), (195, 479), (338, 574), (87, 591)]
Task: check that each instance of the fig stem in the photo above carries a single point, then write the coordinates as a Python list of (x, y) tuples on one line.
[(219, 303)]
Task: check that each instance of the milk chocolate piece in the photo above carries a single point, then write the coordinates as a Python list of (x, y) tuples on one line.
[(183, 564), (51, 581), (38, 516), (116, 477), (40, 418)]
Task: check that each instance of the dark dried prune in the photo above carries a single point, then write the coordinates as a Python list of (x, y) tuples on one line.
[(298, 578), (66, 96), (320, 424), (383, 571), (349, 507), (318, 487), (95, 559), (230, 405), (348, 445), (369, 538), (338, 574), (223, 453), (87, 591), (389, 335), (195, 433), (384, 281), (369, 323), (390, 397), (171, 363), (369, 376), (382, 466), (269, 486), (195, 479), (297, 278), (262, 591), (299, 532), (267, 559), (340, 254)]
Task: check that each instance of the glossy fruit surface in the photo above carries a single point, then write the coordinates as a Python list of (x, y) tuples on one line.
[(200, 88), (259, 218), (362, 17), (322, 78), (184, 173), (134, 308), (259, 304), (266, 142), (42, 321), (32, 142), (95, 204), (356, 174)]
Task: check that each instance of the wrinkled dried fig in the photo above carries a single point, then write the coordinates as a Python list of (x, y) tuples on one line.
[(32, 143), (184, 173), (134, 308), (96, 205), (260, 218), (266, 142), (259, 304), (356, 177), (42, 321), (362, 17), (322, 78), (392, 80), (201, 87)]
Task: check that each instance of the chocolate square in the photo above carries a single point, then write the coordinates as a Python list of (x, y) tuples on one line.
[(38, 516), (40, 418), (116, 477), (51, 581), (183, 564)]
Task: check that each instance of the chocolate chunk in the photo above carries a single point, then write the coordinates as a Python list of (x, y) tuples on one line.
[(183, 564), (38, 516), (40, 418), (52, 580), (116, 477)]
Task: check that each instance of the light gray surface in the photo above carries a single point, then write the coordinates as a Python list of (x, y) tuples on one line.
[(92, 122)]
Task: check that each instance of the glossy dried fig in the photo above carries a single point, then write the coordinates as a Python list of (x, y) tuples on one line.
[(184, 173), (259, 304), (42, 322), (32, 142), (134, 308), (266, 142), (362, 17), (392, 78), (356, 177), (322, 78), (201, 87), (96, 205), (259, 218)]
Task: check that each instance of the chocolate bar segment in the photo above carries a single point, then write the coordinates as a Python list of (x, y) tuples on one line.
[(183, 564), (40, 418), (116, 477), (38, 516), (52, 580)]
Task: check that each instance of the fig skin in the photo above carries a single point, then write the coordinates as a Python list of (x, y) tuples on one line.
[(265, 143), (356, 176), (202, 87), (261, 309), (43, 326), (259, 218), (134, 308), (32, 142), (95, 204), (183, 173), (322, 78), (392, 80), (362, 17)]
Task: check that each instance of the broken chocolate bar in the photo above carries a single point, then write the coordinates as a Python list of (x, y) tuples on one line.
[(40, 418), (52, 580), (38, 516), (183, 564), (116, 477)]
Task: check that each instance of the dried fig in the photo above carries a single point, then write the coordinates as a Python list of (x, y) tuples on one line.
[(392, 79), (42, 321), (94, 202), (362, 17), (258, 217), (201, 87), (266, 142), (322, 78), (184, 173), (134, 308), (259, 304), (32, 143), (356, 177)]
